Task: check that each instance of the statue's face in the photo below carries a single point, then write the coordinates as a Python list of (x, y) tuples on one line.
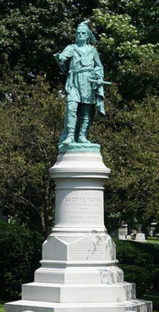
[(81, 34)]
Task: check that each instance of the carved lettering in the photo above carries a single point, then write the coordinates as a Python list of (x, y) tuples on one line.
[(81, 207)]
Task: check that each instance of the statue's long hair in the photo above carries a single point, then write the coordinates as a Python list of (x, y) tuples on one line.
[(91, 37)]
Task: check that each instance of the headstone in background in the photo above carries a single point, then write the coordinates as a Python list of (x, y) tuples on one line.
[(140, 237), (123, 231), (153, 227)]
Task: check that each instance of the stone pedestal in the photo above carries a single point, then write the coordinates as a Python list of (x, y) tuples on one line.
[(79, 271)]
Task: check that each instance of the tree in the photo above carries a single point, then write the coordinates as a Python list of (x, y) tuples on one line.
[(131, 133), (30, 31), (31, 108), (32, 104), (29, 132)]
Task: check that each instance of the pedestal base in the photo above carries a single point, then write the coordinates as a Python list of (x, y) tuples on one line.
[(79, 271), (37, 306)]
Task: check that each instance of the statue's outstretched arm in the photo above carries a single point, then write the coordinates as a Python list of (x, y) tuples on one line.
[(64, 55), (63, 58)]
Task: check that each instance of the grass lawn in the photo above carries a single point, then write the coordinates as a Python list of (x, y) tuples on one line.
[(152, 240), (1, 308), (149, 241)]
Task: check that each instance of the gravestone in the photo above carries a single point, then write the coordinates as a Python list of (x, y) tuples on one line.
[(140, 237), (153, 227), (123, 231), (120, 233)]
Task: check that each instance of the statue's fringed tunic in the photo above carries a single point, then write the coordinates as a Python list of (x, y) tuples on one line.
[(80, 67)]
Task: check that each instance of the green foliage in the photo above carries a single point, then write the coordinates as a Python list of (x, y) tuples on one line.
[(32, 105), (154, 297), (155, 278), (139, 261), (130, 130), (138, 275), (24, 249), (31, 30), (130, 254), (145, 255), (29, 132)]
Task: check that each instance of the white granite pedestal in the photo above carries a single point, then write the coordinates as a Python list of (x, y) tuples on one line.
[(79, 271)]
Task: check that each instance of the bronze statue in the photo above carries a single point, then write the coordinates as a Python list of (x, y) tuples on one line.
[(84, 85)]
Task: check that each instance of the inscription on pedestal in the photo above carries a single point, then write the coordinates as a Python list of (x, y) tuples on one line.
[(87, 249), (80, 207)]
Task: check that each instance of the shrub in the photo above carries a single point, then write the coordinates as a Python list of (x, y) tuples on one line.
[(154, 298), (144, 255), (19, 257), (155, 278), (138, 275)]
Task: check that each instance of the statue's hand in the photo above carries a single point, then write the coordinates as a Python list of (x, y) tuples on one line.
[(57, 56), (92, 76), (99, 82)]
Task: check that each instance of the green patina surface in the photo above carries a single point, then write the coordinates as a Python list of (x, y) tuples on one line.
[(84, 89), (79, 148)]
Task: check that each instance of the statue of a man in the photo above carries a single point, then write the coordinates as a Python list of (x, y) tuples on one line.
[(81, 63)]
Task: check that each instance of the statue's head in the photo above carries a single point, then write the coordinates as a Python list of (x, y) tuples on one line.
[(84, 33)]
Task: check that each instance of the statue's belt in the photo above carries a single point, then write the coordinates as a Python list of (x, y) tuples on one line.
[(86, 69), (82, 70)]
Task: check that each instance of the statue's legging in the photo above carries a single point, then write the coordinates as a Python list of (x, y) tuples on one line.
[(77, 120)]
